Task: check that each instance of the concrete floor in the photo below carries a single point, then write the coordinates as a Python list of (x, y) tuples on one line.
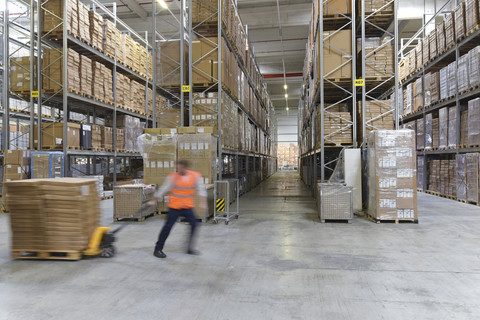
[(276, 262)]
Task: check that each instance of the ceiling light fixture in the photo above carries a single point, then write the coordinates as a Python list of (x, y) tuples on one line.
[(285, 87), (286, 95), (163, 4)]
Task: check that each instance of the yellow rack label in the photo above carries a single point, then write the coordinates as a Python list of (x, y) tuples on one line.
[(35, 94), (186, 88), (359, 82)]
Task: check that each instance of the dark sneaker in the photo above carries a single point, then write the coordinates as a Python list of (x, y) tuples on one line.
[(159, 254), (193, 252)]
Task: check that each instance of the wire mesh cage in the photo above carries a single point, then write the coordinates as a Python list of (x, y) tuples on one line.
[(335, 201)]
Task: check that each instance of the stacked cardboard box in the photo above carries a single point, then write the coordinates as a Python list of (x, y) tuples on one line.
[(96, 136), (168, 63), (204, 11), (432, 43), (337, 47), (120, 139), (441, 38), (461, 177), (412, 61), (392, 177), (86, 77), (409, 98), (435, 133), (464, 128), (420, 177), (425, 50), (474, 67), (434, 177), (338, 128), (52, 135), (137, 97), (462, 73), (428, 131), (47, 164), (380, 54), (378, 116), (452, 127), (419, 55), (201, 152), (84, 23), (52, 17), (107, 76), (107, 138), (418, 94), (16, 165), (132, 129), (375, 5), (96, 30), (450, 39), (288, 155), (86, 136), (474, 122), (460, 22), (128, 199), (112, 39), (52, 65), (443, 127), (123, 91), (52, 215), (205, 108), (471, 15), (471, 167), (98, 89), (420, 133), (20, 75)]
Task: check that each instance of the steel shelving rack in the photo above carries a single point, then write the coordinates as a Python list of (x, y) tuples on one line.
[(318, 161), (459, 100)]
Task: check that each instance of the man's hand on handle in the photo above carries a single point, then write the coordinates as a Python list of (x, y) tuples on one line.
[(153, 202)]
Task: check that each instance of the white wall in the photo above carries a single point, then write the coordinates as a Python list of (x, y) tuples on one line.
[(287, 123)]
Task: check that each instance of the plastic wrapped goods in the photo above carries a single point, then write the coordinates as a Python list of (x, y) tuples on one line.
[(461, 177), (418, 94), (420, 134), (409, 104), (444, 83), (474, 67), (428, 131), (474, 122), (420, 164), (128, 199), (463, 71), (435, 133), (443, 127), (392, 177), (471, 165), (47, 165), (452, 74), (452, 127)]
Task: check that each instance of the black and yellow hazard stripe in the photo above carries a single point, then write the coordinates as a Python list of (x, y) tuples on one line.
[(220, 204)]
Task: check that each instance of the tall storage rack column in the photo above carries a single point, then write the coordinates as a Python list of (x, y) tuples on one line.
[(327, 112), (228, 92), (107, 67), (440, 81)]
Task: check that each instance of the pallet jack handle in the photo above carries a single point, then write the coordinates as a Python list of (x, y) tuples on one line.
[(135, 216)]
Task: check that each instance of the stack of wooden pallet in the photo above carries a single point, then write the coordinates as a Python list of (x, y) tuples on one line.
[(112, 38), (73, 211), (378, 116)]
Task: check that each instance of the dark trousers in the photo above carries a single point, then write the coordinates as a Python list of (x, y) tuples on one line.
[(172, 216)]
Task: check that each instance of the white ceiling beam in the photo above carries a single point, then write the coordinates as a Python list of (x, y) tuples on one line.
[(135, 7)]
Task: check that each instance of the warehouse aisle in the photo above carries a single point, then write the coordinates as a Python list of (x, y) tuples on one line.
[(276, 262)]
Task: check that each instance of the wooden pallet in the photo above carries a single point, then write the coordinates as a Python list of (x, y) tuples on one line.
[(107, 197), (336, 220), (47, 254), (395, 221), (132, 219), (473, 30), (59, 148)]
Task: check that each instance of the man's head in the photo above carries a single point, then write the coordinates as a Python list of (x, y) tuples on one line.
[(182, 166)]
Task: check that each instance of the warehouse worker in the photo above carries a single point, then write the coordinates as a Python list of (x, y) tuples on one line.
[(182, 185)]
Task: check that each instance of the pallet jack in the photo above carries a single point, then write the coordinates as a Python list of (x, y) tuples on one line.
[(101, 242)]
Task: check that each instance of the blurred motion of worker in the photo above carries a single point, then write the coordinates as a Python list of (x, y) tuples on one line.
[(182, 185)]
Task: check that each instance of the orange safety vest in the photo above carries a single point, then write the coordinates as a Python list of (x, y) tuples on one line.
[(183, 190)]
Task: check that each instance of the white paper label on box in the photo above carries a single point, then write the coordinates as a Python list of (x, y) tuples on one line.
[(387, 183), (84, 190), (20, 75), (207, 181), (388, 203), (159, 164), (173, 131), (166, 164), (145, 155), (404, 152), (172, 164), (182, 146), (387, 142), (406, 213), (200, 130), (147, 164), (9, 151), (154, 165), (154, 138), (405, 193), (404, 173), (204, 117), (58, 140), (9, 166), (200, 146), (187, 146), (207, 146), (19, 170), (387, 162), (194, 146)]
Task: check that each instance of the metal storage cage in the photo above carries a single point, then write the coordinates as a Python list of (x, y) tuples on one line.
[(335, 202)]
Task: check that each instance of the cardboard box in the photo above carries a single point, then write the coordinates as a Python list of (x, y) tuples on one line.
[(187, 130), (52, 135)]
